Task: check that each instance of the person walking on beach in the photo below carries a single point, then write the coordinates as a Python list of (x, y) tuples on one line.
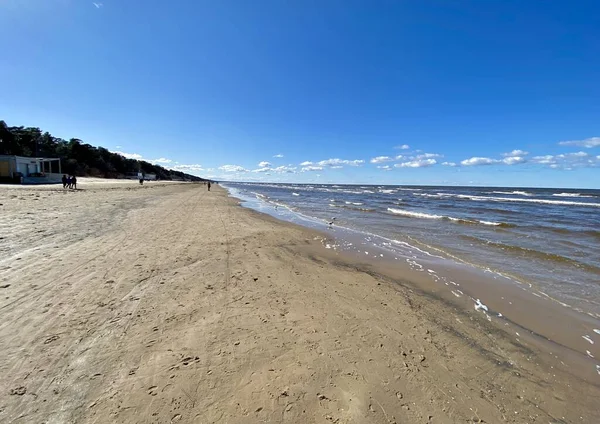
[(74, 182), (209, 186), (64, 181), (69, 181)]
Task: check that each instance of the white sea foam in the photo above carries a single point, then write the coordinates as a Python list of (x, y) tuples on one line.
[(437, 195), (542, 201), (387, 191), (515, 192), (479, 305), (570, 195), (596, 331), (412, 214), (589, 353), (490, 223), (588, 338)]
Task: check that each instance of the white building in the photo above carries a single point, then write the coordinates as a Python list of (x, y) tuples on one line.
[(30, 170)]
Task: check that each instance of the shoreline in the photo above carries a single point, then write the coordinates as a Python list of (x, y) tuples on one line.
[(521, 310), (217, 313)]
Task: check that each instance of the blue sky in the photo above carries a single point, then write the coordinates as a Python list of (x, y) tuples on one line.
[(387, 92)]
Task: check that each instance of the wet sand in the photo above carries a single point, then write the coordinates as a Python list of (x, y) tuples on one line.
[(168, 303)]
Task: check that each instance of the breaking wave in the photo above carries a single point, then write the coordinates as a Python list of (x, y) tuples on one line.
[(411, 214)]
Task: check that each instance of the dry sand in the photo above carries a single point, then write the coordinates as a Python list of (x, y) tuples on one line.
[(168, 303)]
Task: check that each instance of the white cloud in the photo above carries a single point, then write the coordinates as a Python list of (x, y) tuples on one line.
[(402, 147), (264, 164), (183, 168), (568, 161), (306, 163), (475, 161), (285, 169), (428, 156), (262, 170), (312, 168), (98, 5), (118, 147), (420, 163), (278, 156), (400, 157), (135, 156), (513, 160), (337, 167), (546, 159), (449, 163), (334, 162), (233, 168), (161, 160), (588, 142), (380, 159), (385, 167), (574, 155), (515, 153)]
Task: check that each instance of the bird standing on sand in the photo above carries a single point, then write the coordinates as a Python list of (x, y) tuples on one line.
[(332, 220)]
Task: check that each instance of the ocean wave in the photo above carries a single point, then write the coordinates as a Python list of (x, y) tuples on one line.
[(414, 214), (516, 192), (422, 215), (295, 194), (592, 233), (541, 201), (571, 195), (387, 191), (352, 208), (259, 195), (354, 203), (437, 195), (533, 253)]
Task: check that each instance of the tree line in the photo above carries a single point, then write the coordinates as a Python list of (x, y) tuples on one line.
[(78, 158)]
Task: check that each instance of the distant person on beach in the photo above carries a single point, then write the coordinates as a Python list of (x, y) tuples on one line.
[(74, 182), (64, 181), (69, 181), (209, 186)]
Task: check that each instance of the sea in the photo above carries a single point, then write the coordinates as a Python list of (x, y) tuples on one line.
[(540, 237)]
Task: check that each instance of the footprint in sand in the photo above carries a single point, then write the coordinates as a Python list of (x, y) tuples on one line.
[(188, 360), (51, 339), (152, 390), (19, 391)]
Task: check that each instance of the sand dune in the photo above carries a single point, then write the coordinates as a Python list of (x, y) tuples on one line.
[(167, 303)]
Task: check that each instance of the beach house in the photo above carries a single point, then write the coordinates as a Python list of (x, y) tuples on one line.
[(27, 170)]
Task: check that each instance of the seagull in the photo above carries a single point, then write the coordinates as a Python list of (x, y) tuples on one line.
[(332, 220)]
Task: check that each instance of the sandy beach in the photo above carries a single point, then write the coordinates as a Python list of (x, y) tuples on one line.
[(164, 303)]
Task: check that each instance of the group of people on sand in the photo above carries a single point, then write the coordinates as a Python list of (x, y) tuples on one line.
[(69, 181)]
